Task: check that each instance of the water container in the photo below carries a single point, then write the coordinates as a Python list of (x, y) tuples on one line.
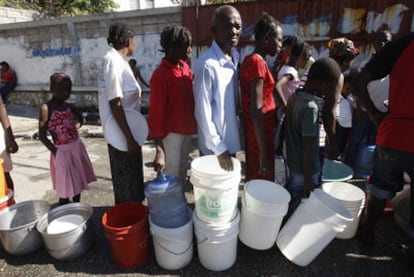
[(363, 164), (167, 205)]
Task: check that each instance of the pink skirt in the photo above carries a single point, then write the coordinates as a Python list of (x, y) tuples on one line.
[(71, 169)]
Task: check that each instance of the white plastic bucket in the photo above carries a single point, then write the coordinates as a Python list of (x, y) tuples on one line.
[(353, 198), (215, 189), (264, 205), (216, 244), (173, 247), (312, 227)]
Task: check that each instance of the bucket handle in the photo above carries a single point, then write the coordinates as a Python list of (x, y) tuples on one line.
[(203, 241), (169, 251)]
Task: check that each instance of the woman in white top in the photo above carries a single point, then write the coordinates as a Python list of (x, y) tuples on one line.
[(118, 91)]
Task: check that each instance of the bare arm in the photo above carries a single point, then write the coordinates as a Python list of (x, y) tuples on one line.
[(159, 159), (119, 115), (256, 96), (11, 145), (360, 87), (279, 94), (140, 78), (329, 117), (43, 120)]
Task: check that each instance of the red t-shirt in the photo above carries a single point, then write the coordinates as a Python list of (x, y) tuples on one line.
[(7, 76), (252, 68), (396, 131), (171, 100)]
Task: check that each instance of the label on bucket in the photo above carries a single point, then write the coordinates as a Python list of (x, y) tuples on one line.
[(217, 207)]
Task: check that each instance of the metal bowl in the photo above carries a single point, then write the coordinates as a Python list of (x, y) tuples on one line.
[(68, 244), (18, 234)]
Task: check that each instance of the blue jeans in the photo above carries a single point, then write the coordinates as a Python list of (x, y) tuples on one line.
[(387, 177), (296, 181), (5, 90), (362, 132)]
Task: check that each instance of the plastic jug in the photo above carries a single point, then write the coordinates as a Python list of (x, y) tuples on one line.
[(167, 205)]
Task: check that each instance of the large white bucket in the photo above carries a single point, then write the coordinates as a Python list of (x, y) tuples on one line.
[(216, 244), (173, 247), (215, 189), (353, 198), (312, 227), (264, 205)]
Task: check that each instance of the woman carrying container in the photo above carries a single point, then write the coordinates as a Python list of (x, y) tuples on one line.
[(118, 91)]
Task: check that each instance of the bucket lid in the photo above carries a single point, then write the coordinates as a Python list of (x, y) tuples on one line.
[(209, 166)]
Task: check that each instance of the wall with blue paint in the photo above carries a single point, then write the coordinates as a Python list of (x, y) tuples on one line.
[(76, 45)]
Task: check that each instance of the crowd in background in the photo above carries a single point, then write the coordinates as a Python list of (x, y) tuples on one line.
[(278, 107)]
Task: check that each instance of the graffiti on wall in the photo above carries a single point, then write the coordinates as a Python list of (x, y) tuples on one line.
[(50, 52)]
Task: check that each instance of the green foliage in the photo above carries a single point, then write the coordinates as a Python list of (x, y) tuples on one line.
[(55, 8)]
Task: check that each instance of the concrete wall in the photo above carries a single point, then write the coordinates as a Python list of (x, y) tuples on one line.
[(76, 46), (10, 15)]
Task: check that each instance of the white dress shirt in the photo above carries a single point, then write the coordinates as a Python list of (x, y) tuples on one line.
[(216, 101)]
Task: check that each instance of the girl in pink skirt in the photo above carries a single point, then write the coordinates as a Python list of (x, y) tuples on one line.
[(70, 167)]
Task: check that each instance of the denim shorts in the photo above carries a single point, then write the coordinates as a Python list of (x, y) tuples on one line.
[(296, 181), (389, 166)]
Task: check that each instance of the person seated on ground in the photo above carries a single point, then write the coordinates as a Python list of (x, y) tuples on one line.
[(8, 81), (137, 72), (302, 126)]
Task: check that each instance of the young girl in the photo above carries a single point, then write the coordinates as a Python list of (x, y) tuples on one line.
[(257, 84), (70, 167)]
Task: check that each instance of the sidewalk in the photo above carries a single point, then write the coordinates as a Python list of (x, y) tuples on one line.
[(393, 254)]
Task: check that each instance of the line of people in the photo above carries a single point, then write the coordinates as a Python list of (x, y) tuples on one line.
[(297, 93)]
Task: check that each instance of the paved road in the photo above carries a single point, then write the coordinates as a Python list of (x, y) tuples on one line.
[(393, 255)]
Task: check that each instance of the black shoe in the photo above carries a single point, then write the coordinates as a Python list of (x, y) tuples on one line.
[(365, 237)]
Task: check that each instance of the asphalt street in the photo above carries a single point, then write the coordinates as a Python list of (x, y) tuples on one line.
[(392, 255)]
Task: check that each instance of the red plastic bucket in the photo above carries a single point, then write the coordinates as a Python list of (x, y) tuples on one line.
[(7, 200), (126, 228)]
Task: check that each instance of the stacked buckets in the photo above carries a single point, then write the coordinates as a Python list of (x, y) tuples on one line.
[(171, 222), (264, 205), (216, 217)]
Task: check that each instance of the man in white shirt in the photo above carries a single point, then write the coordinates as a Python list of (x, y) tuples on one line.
[(216, 89)]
